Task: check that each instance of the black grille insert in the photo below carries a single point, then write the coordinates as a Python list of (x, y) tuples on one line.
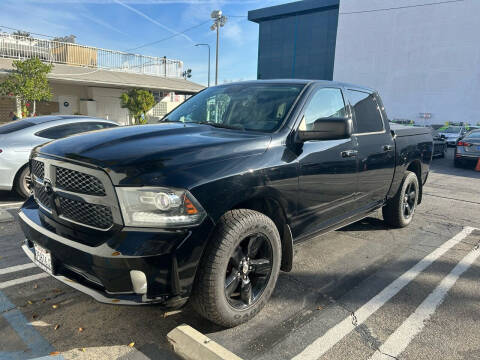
[(41, 195), (38, 168), (77, 181), (94, 215)]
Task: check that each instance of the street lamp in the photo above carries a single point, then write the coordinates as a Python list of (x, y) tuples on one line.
[(208, 61), (219, 21)]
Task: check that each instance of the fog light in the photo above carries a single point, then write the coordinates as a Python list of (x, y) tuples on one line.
[(139, 281)]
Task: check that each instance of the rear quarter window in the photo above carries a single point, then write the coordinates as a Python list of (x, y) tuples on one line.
[(367, 111)]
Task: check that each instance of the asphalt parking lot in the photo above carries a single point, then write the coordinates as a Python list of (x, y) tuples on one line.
[(362, 292)]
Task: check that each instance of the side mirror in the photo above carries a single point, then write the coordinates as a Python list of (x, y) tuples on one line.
[(327, 129)]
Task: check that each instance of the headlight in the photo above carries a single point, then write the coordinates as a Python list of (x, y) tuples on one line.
[(159, 207)]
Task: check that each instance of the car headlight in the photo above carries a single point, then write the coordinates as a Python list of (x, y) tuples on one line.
[(159, 207)]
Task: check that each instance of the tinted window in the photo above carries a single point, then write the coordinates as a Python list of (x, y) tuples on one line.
[(61, 131), (473, 135), (15, 126), (367, 114), (325, 103), (260, 107)]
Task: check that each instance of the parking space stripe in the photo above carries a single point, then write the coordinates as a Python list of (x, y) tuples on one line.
[(36, 343), (22, 280), (324, 343), (15, 268), (14, 205), (413, 325)]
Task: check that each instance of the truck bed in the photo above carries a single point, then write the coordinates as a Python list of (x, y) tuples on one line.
[(404, 130)]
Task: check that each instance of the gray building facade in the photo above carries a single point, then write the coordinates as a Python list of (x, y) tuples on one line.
[(297, 40), (422, 56)]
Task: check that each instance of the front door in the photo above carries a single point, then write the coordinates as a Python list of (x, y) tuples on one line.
[(327, 168)]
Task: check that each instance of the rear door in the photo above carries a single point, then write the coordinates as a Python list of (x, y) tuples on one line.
[(327, 168), (376, 148)]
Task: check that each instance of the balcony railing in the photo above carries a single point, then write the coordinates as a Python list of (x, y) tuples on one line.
[(21, 47)]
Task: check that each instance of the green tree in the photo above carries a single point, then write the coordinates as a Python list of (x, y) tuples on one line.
[(138, 102), (28, 82)]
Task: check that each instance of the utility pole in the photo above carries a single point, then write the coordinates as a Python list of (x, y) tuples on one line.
[(208, 60), (219, 21)]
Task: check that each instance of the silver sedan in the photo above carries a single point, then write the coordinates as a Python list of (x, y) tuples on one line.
[(18, 138)]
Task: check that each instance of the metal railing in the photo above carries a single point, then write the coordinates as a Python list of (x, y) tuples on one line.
[(21, 47)]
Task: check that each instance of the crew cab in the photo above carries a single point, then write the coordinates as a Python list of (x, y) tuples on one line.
[(207, 204)]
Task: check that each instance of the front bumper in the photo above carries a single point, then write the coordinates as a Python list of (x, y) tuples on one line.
[(169, 259)]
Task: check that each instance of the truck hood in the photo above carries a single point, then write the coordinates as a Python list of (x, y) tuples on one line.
[(131, 151)]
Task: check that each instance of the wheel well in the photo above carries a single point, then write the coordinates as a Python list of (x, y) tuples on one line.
[(274, 210), (15, 179), (416, 168)]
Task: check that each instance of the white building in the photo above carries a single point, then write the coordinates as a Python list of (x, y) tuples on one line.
[(422, 56), (89, 81)]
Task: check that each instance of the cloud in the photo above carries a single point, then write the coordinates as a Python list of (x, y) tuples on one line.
[(153, 21), (144, 2), (104, 24)]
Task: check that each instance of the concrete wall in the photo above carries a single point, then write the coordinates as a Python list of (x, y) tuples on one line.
[(422, 59)]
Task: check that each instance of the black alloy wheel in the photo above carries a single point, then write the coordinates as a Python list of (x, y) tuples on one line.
[(248, 271), (409, 200)]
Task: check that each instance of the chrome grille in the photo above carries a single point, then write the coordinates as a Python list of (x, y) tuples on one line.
[(41, 195), (78, 182), (98, 216), (38, 168)]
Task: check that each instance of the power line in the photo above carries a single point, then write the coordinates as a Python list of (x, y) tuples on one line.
[(168, 37), (402, 7), (32, 33)]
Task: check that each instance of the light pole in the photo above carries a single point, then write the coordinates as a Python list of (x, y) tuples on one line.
[(208, 61), (219, 21)]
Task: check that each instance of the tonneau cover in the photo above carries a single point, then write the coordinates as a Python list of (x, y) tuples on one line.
[(403, 130)]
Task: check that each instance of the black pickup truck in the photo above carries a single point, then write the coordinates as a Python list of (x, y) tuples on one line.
[(207, 204)]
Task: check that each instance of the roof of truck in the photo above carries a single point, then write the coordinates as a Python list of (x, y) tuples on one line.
[(307, 81)]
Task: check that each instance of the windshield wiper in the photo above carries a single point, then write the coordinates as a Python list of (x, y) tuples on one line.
[(218, 125)]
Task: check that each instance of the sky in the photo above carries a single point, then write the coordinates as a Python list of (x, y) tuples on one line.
[(129, 24)]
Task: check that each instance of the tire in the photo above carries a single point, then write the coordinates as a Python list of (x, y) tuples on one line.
[(394, 212), (211, 297), (21, 184)]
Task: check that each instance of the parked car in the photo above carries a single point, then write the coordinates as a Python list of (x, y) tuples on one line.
[(18, 138), (439, 144), (467, 149), (452, 134), (207, 204)]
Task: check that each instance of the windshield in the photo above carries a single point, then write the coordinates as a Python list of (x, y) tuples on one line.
[(257, 107), (452, 130)]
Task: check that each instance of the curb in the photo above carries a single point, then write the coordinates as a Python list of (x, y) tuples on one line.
[(191, 344)]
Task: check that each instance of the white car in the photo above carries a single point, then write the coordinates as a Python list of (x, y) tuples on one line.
[(18, 138)]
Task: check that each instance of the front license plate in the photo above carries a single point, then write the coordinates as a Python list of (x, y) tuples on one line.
[(43, 258), (478, 148)]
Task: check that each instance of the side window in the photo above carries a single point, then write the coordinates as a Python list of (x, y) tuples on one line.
[(325, 103), (61, 131), (99, 126), (367, 112)]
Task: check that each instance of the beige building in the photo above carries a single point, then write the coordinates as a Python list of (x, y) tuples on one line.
[(89, 81)]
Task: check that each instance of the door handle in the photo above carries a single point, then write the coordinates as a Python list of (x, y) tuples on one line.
[(349, 153), (387, 147)]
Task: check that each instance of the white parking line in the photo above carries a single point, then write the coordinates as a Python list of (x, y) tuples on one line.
[(11, 269), (324, 343), (399, 340), (10, 206), (23, 280)]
